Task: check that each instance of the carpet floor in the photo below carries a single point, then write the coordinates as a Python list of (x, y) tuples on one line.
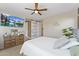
[(14, 51)]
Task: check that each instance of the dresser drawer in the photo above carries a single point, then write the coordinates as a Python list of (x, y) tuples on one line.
[(8, 45), (7, 41), (19, 42), (13, 42)]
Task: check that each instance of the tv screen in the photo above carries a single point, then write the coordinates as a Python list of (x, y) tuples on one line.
[(11, 21)]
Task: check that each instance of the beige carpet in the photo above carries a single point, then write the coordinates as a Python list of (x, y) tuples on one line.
[(14, 51)]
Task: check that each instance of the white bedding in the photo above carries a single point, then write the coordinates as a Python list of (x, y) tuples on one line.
[(42, 46)]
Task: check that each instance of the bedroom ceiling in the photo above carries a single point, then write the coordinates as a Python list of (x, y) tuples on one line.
[(17, 9)]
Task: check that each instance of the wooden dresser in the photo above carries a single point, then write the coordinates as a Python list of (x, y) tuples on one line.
[(19, 39), (11, 41)]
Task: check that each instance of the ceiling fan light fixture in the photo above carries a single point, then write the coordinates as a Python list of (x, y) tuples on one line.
[(36, 11)]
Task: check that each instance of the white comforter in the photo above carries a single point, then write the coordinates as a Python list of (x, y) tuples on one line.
[(42, 46)]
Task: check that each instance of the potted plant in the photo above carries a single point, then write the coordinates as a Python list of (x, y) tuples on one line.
[(68, 32)]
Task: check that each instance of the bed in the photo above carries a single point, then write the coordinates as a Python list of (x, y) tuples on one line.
[(42, 46)]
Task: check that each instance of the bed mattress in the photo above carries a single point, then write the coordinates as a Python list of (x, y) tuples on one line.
[(42, 46)]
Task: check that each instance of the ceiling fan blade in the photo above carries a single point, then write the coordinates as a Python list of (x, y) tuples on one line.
[(36, 5), (29, 9), (39, 13), (42, 9), (32, 13)]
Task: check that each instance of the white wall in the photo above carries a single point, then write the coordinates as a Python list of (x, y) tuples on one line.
[(52, 26)]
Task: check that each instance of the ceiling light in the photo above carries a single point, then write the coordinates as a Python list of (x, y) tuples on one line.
[(36, 11)]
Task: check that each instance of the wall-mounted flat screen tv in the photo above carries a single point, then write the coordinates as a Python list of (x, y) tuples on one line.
[(11, 21)]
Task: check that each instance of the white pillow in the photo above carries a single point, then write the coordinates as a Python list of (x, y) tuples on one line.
[(70, 44), (60, 43), (73, 39)]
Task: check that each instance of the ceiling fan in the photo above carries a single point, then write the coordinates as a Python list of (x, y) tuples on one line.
[(36, 10)]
